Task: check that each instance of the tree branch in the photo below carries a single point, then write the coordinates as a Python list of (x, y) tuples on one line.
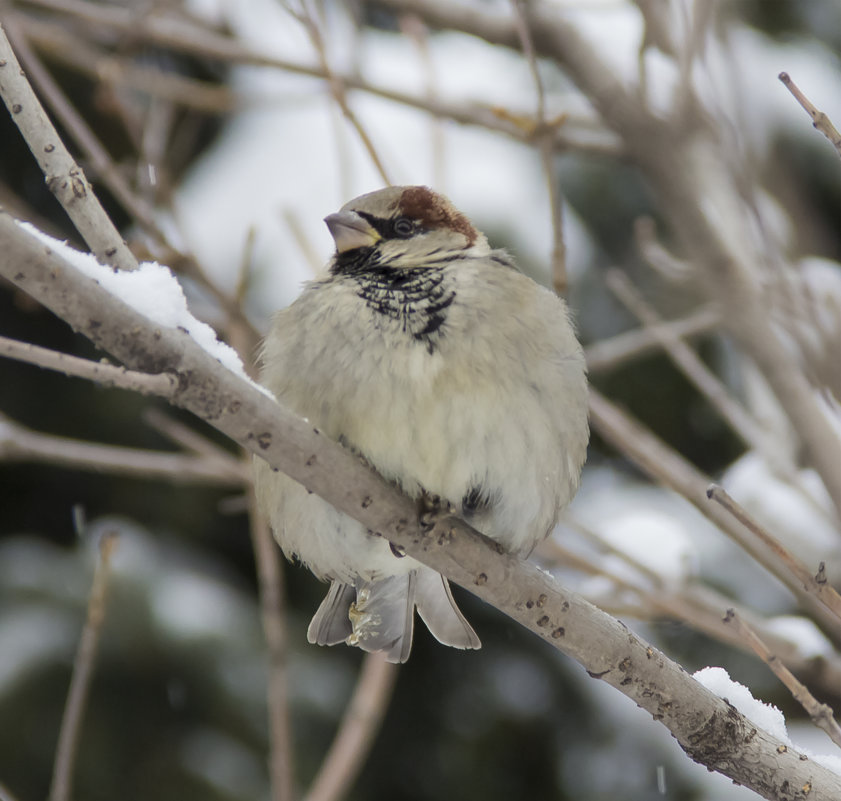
[(64, 177), (709, 729), (356, 732), (20, 444), (108, 375), (815, 584), (68, 740), (821, 714), (608, 354), (272, 614)]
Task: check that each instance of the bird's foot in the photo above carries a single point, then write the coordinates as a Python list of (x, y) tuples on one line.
[(432, 507)]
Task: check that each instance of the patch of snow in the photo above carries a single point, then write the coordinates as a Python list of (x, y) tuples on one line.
[(153, 291), (765, 716)]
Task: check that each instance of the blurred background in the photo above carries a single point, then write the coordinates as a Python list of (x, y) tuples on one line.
[(218, 124)]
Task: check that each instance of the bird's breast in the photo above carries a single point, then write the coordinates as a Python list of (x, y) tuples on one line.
[(413, 303)]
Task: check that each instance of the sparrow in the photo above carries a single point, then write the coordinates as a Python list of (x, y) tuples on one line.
[(454, 375)]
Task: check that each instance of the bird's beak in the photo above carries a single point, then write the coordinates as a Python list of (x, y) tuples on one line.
[(350, 231)]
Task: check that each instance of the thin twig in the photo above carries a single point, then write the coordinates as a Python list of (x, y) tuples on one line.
[(245, 266), (657, 257), (105, 168), (109, 375), (692, 603), (817, 585), (64, 177), (608, 354), (543, 138), (360, 723), (111, 70), (585, 135), (273, 616), (690, 364), (819, 119), (77, 695), (821, 714), (19, 444), (414, 29), (666, 466), (337, 90)]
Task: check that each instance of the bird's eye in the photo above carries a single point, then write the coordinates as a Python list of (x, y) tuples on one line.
[(403, 227)]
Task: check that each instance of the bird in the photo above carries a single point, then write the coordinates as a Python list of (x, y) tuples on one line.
[(454, 375)]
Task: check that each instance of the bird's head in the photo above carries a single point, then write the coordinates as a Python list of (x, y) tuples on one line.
[(403, 227)]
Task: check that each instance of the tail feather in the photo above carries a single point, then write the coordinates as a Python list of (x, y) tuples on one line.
[(378, 616), (439, 611), (330, 624)]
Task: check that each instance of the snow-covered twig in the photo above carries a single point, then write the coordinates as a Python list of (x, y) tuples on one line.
[(821, 714), (33, 129)]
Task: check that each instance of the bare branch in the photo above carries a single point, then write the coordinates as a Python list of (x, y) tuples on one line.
[(690, 364), (109, 375), (164, 30), (819, 119), (73, 52), (337, 90), (608, 354), (94, 230), (691, 602), (273, 616), (821, 714), (708, 729), (815, 584), (543, 139), (20, 444), (77, 695), (64, 177), (668, 468), (359, 725)]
